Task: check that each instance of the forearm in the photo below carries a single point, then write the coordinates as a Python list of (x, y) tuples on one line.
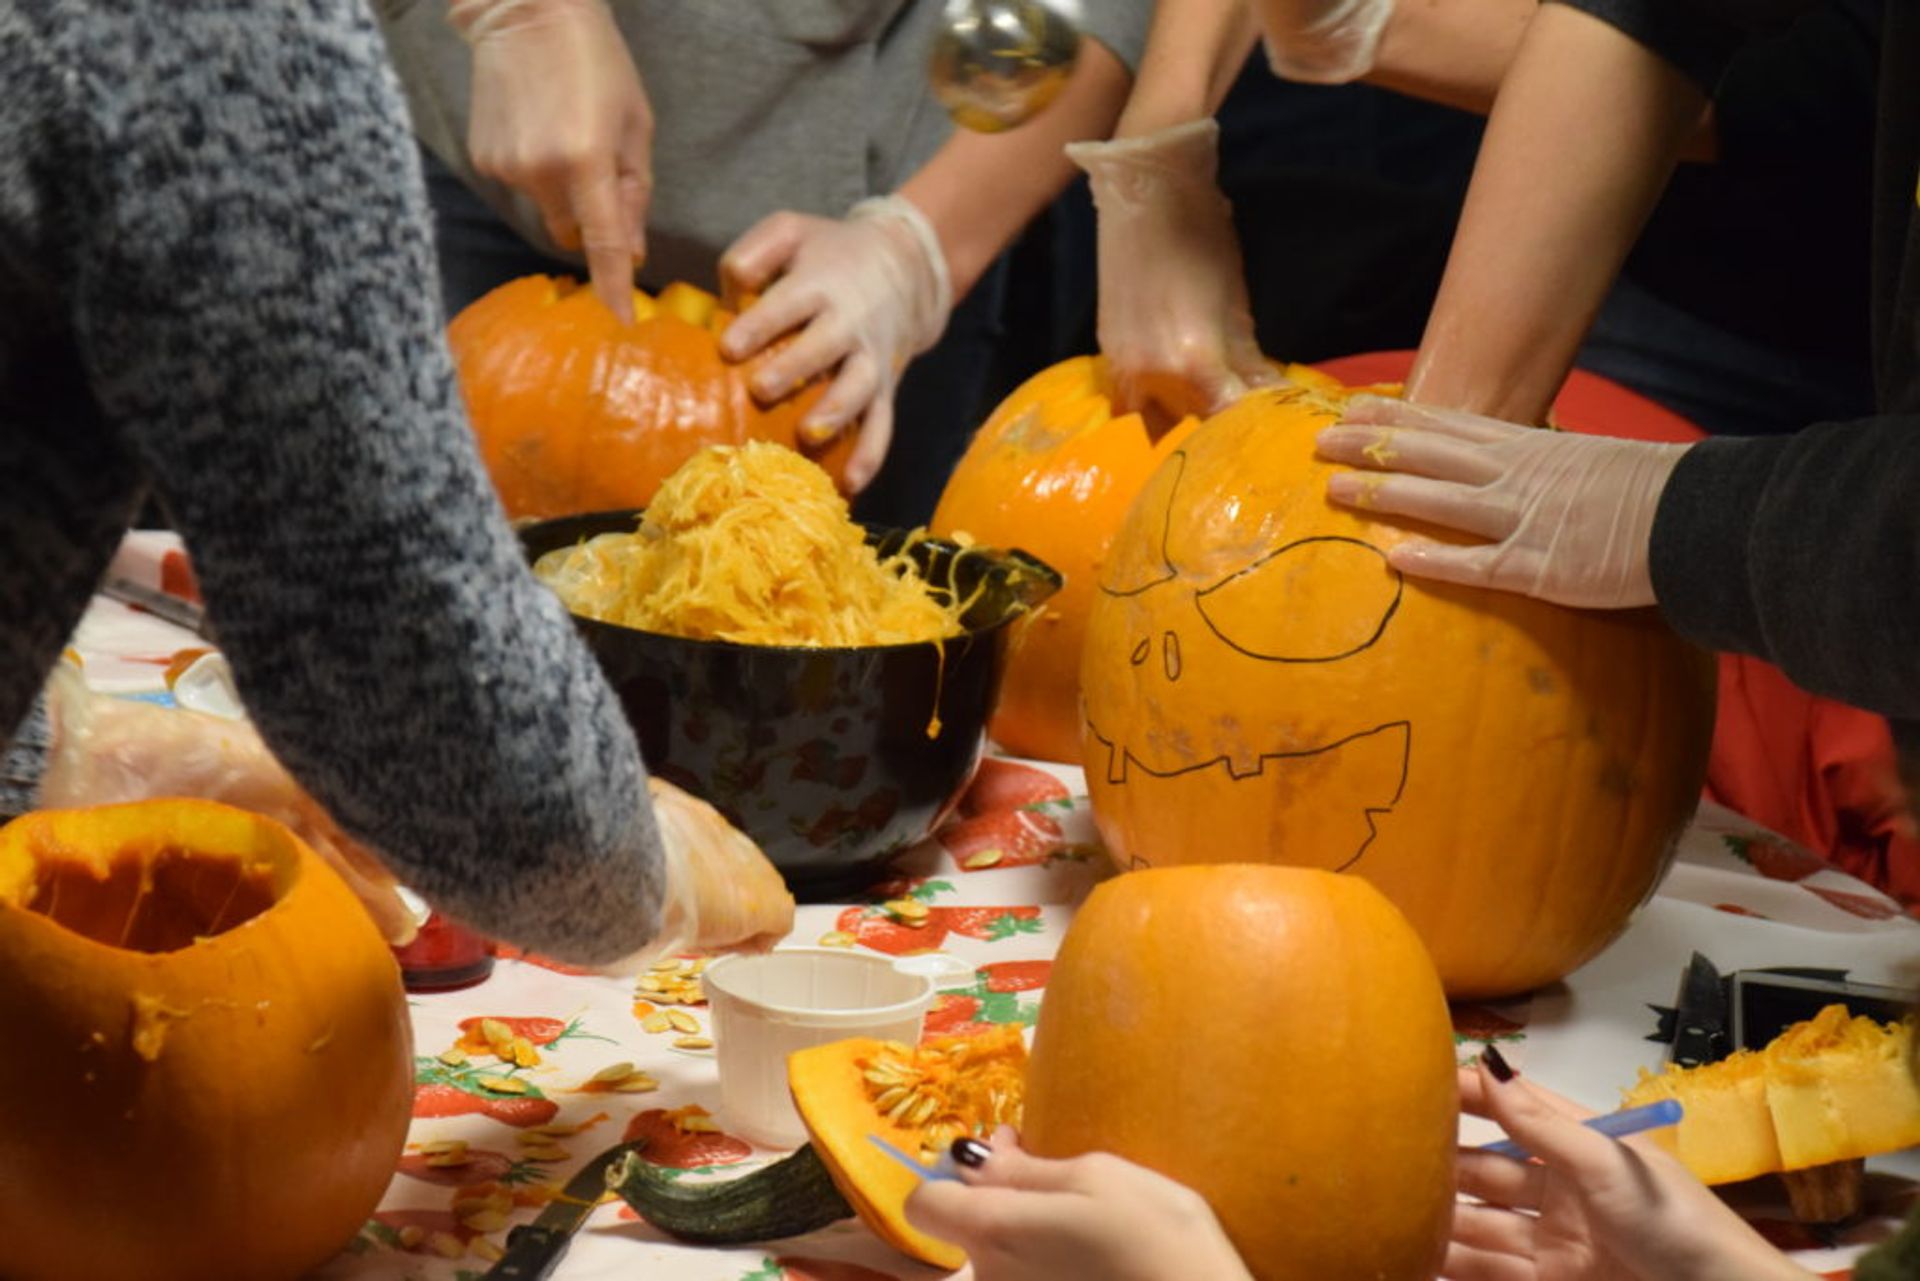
[(1194, 51), (1587, 128), (979, 190)]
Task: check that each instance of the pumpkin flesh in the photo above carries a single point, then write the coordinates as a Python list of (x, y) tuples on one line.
[(1274, 1038), (918, 1098), (1258, 680), (219, 1075)]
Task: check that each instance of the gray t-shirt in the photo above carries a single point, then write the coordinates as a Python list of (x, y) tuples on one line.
[(758, 105), (216, 279)]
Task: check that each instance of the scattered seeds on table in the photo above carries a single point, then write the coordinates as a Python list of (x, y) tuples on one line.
[(693, 1043), (837, 938)]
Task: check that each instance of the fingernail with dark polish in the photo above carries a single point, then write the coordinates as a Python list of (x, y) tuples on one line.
[(971, 1153), (1497, 1064)]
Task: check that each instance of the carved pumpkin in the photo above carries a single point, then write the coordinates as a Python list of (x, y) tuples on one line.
[(1274, 1038), (1260, 684), (1052, 472), (211, 1070), (919, 1098), (576, 412)]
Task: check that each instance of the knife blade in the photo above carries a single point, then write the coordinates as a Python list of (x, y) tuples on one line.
[(175, 609), (534, 1249)]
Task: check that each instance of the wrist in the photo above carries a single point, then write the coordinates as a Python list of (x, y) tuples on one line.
[(1337, 46), (476, 20), (930, 251)]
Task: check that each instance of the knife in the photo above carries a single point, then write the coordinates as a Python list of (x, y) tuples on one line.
[(534, 1249), (1700, 1033), (175, 609)]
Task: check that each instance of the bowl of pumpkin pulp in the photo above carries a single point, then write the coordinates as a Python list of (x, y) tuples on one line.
[(825, 685)]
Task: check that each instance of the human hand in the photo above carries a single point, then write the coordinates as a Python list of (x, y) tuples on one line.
[(1025, 1218), (1323, 41), (1174, 320), (722, 895), (1569, 517), (1588, 1208), (867, 292), (109, 750), (560, 115)]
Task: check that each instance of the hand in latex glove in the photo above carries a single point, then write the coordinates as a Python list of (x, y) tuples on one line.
[(1323, 41), (1569, 516), (559, 114), (1590, 1208), (1174, 321), (868, 292), (108, 750), (722, 895), (1023, 1218)]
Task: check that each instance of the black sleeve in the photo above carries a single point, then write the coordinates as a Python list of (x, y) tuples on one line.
[(1804, 550), (1697, 36)]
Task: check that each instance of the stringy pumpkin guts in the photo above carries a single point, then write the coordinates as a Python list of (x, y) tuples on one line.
[(950, 1087), (750, 544)]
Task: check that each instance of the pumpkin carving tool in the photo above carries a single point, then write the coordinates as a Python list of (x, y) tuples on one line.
[(942, 1169), (1615, 1125), (534, 1249)]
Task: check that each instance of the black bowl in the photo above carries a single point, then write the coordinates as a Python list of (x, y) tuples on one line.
[(830, 759)]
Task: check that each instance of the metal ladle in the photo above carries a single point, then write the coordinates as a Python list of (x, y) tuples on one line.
[(996, 63)]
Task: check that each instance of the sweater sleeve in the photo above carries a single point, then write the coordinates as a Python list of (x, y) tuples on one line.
[(1804, 550), (253, 294)]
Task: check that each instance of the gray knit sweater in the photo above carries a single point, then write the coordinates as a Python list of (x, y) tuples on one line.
[(216, 280)]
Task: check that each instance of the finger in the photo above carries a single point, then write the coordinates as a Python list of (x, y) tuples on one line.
[(1500, 1180), (762, 253), (1468, 508), (1496, 1230), (1410, 450), (634, 165), (1368, 410), (870, 451), (1559, 1141), (606, 235), (853, 391), (823, 343), (1466, 1263), (785, 307)]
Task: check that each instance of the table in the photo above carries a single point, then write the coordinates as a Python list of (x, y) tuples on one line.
[(1739, 894)]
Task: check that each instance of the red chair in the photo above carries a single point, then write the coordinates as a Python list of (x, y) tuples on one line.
[(1817, 771)]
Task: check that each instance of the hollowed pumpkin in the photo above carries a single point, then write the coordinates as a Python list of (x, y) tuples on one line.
[(1261, 685), (210, 1068), (1274, 1038), (577, 412), (1052, 471), (919, 1098)]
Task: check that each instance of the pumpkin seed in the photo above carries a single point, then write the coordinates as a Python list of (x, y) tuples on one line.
[(411, 1235), (656, 1022), (453, 1056), (610, 1073), (439, 1147), (638, 1083), (485, 1221), (449, 1160), (524, 1055), (837, 938), (983, 858), (683, 1021), (501, 1084), (908, 911), (556, 1130), (693, 1042), (487, 1250), (446, 1244)]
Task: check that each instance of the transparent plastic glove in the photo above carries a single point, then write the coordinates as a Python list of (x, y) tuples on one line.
[(722, 895), (560, 115), (1569, 517), (1323, 41), (1174, 320), (1025, 1218), (867, 292), (1589, 1208), (107, 750)]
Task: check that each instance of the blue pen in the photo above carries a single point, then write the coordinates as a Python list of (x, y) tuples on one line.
[(1615, 1125), (940, 1169)]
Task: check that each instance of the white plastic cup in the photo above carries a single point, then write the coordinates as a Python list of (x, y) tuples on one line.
[(763, 1008)]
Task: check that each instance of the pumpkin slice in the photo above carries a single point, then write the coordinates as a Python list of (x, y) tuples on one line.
[(1834, 1088), (919, 1098)]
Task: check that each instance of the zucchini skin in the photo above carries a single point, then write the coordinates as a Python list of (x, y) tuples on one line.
[(791, 1197)]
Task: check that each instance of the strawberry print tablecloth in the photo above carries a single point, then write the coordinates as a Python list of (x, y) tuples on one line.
[(590, 1059)]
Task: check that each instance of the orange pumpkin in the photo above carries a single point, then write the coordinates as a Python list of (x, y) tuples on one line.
[(577, 412), (1260, 684), (1052, 472), (1275, 1039), (211, 1069)]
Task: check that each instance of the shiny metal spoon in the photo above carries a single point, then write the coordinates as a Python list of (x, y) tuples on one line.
[(996, 63)]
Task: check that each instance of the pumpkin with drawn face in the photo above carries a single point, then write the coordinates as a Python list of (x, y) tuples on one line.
[(1260, 685)]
